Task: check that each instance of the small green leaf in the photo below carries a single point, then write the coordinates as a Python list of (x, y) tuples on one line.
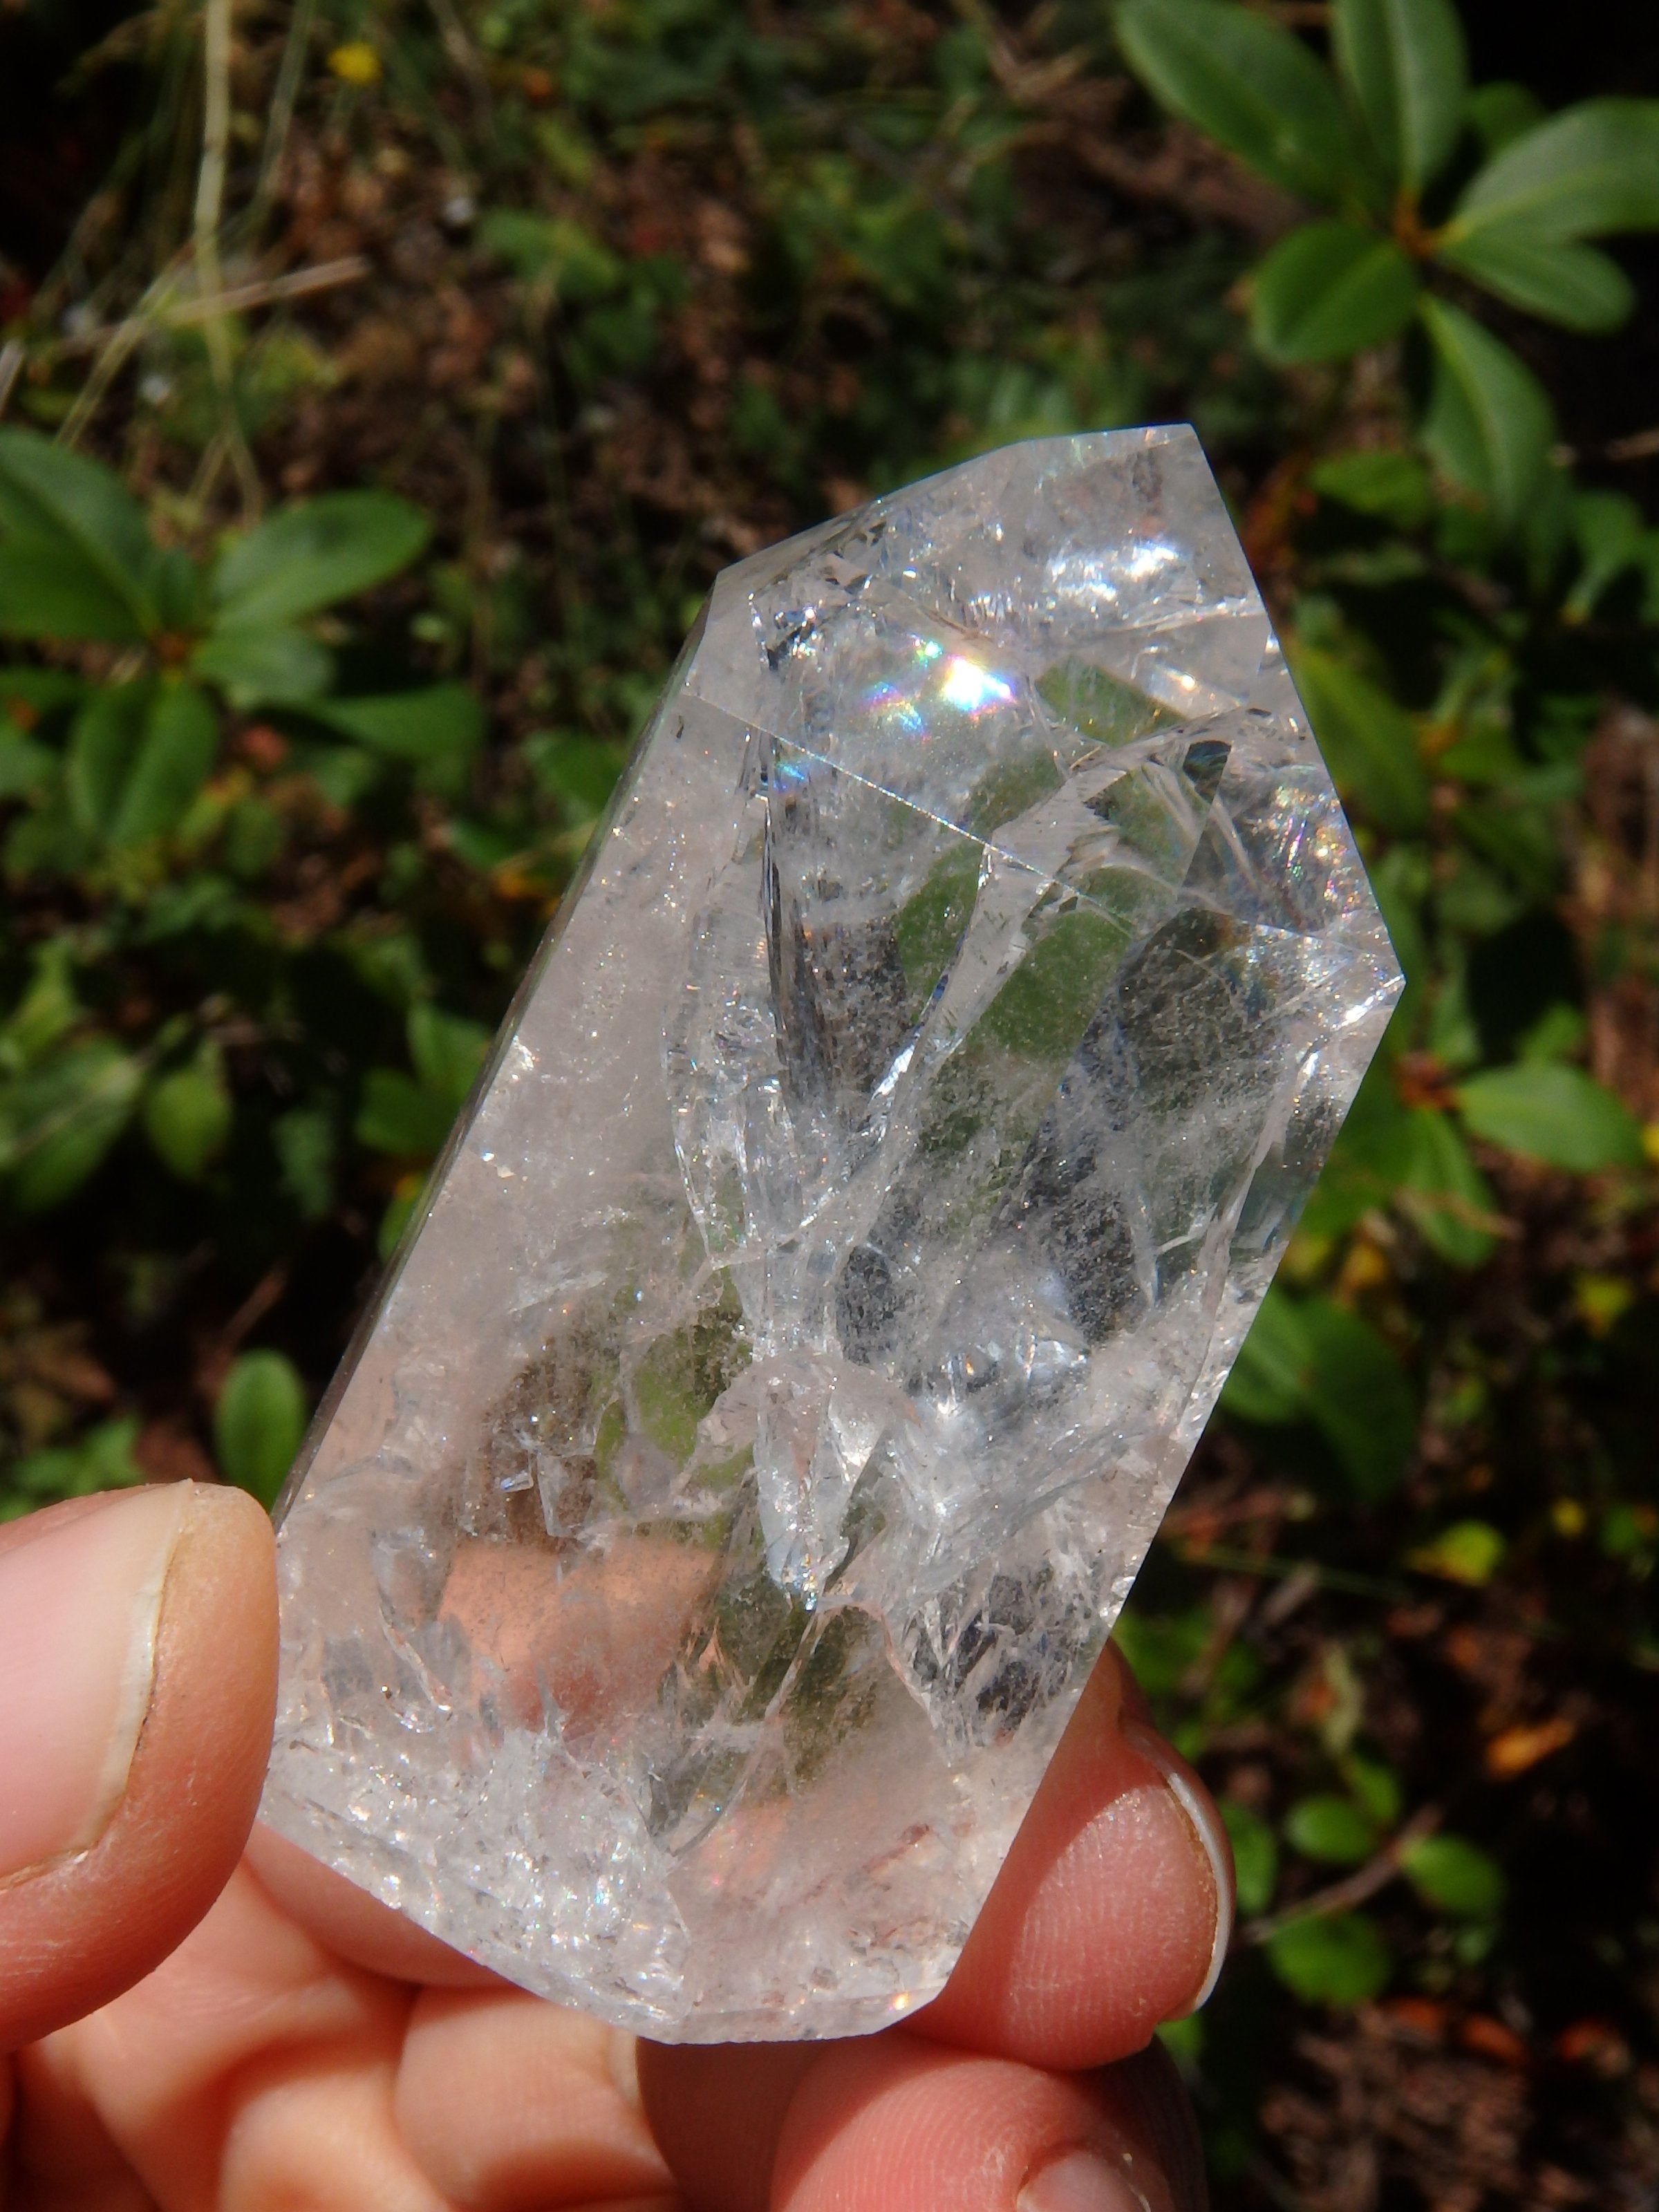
[(1555, 1114), (59, 1120), (1469, 1551), (1332, 1829), (440, 721), (1268, 1381), (304, 1142), (1611, 538), (266, 665), (1577, 286), (1255, 1855), (60, 503), (100, 1459), (1338, 1960), (260, 1423), (396, 1115), (1331, 289), (1490, 425), (1591, 170), (171, 762), (1369, 743), (1406, 65), (1455, 1875), (1375, 1787), (308, 556), (188, 1114), (1502, 112), (1249, 84), (1441, 1190), (448, 1051), (1380, 480)]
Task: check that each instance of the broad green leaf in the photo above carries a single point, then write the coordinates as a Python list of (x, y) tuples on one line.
[(59, 1121), (1369, 742), (1250, 85), (1406, 65), (260, 1423), (51, 498), (189, 1114), (1442, 1191), (1592, 170), (1469, 1551), (52, 591), (104, 743), (1339, 1958), (1359, 1397), (1490, 425), (169, 765), (1456, 1874), (1255, 1855), (1331, 289), (1384, 482), (264, 664), (1558, 1114), (1577, 286), (440, 720), (448, 1051), (1267, 1381), (1502, 112), (1332, 1829), (308, 556), (397, 1115)]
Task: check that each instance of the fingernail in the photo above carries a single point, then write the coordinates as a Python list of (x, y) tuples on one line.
[(1212, 1838), (80, 1607), (1081, 2181)]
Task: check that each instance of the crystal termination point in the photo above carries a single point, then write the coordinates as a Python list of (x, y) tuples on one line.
[(704, 1544)]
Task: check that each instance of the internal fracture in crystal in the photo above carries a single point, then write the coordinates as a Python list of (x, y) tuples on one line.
[(703, 1548)]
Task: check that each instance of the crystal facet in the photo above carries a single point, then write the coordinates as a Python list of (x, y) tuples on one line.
[(704, 1545)]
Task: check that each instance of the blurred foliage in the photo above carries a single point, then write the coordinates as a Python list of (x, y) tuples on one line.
[(333, 601)]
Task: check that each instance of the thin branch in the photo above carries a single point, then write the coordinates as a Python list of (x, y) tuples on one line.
[(295, 284), (1362, 1884)]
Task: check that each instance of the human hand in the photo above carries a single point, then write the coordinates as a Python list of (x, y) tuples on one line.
[(248, 2033)]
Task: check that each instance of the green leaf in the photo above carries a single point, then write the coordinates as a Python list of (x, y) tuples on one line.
[(1382, 481), (1469, 1551), (1332, 1829), (1456, 1875), (304, 1142), (1338, 1960), (1442, 1191), (440, 720), (1490, 425), (1590, 171), (396, 1115), (1359, 1397), (171, 761), (1331, 289), (1251, 86), (104, 741), (265, 665), (1255, 1855), (1369, 742), (1577, 286), (61, 503), (59, 1121), (1268, 1381), (1501, 111), (1375, 1787), (1611, 538), (308, 556), (50, 591), (1555, 1114), (188, 1114), (100, 1459), (1406, 65), (260, 1423), (448, 1051)]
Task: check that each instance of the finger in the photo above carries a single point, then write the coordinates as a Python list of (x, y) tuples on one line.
[(137, 1684), (353, 1926), (1114, 1907), (511, 2105), (895, 2123)]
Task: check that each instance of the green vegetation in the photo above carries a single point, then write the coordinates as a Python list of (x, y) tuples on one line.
[(347, 525)]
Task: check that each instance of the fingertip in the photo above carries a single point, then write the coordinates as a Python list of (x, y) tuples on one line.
[(89, 1921)]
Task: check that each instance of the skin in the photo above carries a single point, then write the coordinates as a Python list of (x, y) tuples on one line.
[(203, 2023)]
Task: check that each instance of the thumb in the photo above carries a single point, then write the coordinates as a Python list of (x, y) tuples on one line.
[(137, 1684)]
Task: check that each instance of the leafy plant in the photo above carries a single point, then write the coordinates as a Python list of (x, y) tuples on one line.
[(1424, 177), (259, 1422)]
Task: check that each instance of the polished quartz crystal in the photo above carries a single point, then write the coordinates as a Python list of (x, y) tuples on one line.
[(703, 1546)]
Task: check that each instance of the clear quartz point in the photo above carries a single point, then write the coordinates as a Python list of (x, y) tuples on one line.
[(702, 1547)]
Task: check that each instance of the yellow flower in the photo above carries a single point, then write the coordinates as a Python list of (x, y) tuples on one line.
[(356, 63)]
